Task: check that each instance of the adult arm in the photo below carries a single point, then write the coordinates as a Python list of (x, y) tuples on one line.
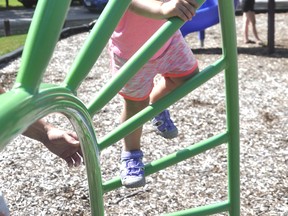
[(62, 143)]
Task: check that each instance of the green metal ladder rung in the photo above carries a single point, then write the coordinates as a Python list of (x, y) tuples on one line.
[(173, 158), (203, 210)]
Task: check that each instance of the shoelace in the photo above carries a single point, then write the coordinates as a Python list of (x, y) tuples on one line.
[(134, 167)]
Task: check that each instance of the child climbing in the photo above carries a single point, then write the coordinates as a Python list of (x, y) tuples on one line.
[(174, 61)]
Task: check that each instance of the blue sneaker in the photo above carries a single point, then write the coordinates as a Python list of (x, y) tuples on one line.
[(164, 126), (132, 169)]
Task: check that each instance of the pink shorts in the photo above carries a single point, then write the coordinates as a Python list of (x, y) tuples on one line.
[(176, 61)]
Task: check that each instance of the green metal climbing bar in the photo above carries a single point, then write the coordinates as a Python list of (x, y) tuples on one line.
[(30, 99)]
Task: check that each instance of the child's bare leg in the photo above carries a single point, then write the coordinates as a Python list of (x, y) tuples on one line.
[(163, 124), (132, 141), (132, 168), (168, 84)]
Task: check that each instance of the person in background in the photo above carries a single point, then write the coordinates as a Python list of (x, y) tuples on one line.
[(174, 61), (249, 18)]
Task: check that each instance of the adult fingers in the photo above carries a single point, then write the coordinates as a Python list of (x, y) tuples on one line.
[(69, 161), (77, 159), (73, 160)]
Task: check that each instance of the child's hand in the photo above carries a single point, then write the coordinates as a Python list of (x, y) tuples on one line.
[(184, 9), (155, 9)]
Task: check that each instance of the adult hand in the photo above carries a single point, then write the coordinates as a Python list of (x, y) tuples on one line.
[(65, 145)]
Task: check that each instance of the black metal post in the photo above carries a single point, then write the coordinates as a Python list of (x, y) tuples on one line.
[(271, 26), (7, 3), (7, 29)]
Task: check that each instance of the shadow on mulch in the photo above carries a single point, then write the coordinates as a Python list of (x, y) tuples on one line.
[(258, 51)]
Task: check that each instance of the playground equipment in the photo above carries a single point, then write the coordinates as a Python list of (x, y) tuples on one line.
[(30, 99), (206, 16)]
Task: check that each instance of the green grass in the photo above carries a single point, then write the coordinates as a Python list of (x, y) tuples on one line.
[(12, 3), (15, 4), (11, 43)]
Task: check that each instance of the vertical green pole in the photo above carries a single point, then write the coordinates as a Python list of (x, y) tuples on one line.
[(227, 18), (84, 127), (42, 37)]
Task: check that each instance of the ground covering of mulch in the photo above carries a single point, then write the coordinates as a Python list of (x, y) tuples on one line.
[(35, 182)]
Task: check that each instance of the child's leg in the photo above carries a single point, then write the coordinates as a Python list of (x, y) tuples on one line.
[(162, 123), (132, 167), (132, 141), (168, 84)]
